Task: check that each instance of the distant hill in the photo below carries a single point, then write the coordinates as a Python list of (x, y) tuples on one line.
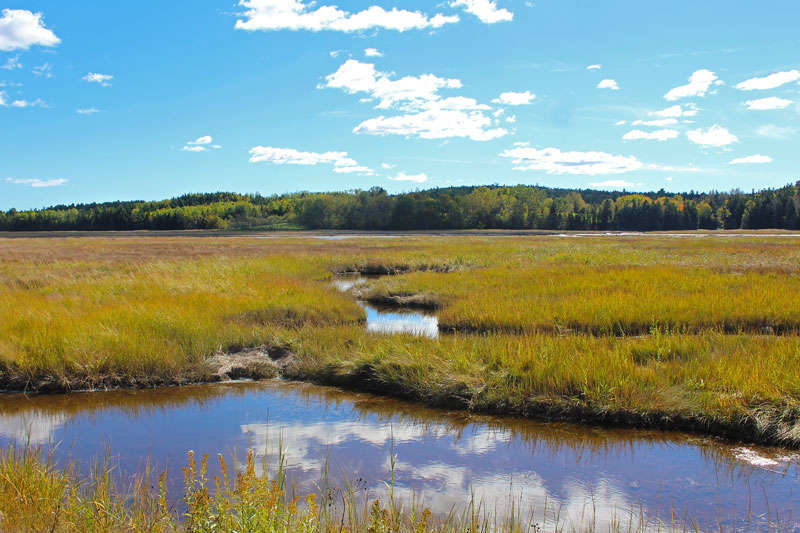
[(486, 207)]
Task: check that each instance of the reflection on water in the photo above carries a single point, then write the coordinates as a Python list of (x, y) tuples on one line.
[(421, 323), (576, 472)]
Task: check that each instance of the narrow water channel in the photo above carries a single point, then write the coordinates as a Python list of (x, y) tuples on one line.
[(381, 319), (573, 472)]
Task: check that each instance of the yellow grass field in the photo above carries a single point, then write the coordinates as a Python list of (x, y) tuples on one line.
[(697, 333)]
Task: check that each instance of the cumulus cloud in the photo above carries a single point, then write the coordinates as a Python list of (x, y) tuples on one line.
[(775, 132), (202, 144), (658, 135), (676, 111), (594, 67), (373, 52), (751, 159), (612, 184), (608, 84), (512, 98), (353, 76), (699, 84), (658, 123), (37, 183), (554, 161), (341, 162), (425, 113), (272, 15), (87, 110), (769, 82), (21, 29), (102, 79), (11, 63), (716, 135), (763, 104), (485, 10), (416, 178), (434, 124)]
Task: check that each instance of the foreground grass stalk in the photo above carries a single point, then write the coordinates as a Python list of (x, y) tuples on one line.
[(37, 495)]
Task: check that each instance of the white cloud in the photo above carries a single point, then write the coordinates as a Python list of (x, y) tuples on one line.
[(659, 123), (658, 135), (620, 123), (102, 79), (485, 10), (341, 162), (716, 135), (594, 67), (354, 76), (373, 52), (775, 132), (676, 111), (87, 110), (554, 161), (612, 184), (769, 82), (608, 84), (512, 98), (763, 104), (434, 124), (28, 103), (751, 159), (349, 170), (37, 183), (45, 70), (416, 178), (11, 63), (3, 97), (271, 15), (205, 139), (21, 29), (425, 113), (699, 83), (387, 166), (201, 144)]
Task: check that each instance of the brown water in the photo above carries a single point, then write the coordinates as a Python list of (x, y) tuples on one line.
[(577, 473)]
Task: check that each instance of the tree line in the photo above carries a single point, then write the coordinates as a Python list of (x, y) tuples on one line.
[(487, 207)]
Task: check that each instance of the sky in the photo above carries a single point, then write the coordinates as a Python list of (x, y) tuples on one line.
[(103, 101)]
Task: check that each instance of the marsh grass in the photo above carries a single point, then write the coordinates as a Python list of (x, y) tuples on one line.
[(38, 495), (647, 331)]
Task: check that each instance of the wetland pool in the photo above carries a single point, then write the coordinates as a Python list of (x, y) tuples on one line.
[(559, 472)]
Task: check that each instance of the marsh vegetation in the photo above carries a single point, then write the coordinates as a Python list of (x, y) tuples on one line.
[(695, 334)]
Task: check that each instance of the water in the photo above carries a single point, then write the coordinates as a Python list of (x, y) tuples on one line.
[(441, 458), (390, 320)]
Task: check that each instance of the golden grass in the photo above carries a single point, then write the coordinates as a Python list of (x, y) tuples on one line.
[(559, 321), (37, 495)]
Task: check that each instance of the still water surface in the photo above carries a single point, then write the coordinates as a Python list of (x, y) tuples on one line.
[(390, 320), (552, 469)]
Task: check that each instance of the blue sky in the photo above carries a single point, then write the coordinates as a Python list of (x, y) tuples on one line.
[(147, 100)]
